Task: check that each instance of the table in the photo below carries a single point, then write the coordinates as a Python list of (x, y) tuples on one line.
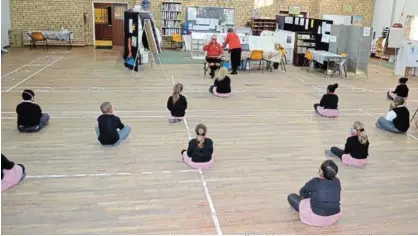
[(271, 56), (322, 56), (63, 35)]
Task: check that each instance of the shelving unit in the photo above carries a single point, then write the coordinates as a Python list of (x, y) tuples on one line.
[(304, 41), (170, 18), (197, 49), (260, 24)]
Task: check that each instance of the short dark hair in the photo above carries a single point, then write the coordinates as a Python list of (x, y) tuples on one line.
[(329, 169), (230, 30), (28, 94), (200, 126), (332, 87), (403, 80)]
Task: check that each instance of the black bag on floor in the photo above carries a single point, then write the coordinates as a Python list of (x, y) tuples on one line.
[(276, 65)]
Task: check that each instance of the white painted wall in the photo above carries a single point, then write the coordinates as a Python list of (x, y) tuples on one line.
[(410, 6), (5, 22), (382, 15)]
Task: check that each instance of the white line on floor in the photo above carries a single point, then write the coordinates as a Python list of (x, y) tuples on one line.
[(30, 76), (368, 114), (202, 179), (21, 67)]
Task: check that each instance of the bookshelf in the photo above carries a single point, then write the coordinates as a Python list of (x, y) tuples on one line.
[(171, 24), (260, 24), (304, 41)]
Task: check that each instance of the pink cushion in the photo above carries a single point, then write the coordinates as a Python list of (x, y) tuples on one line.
[(350, 161), (328, 112), (170, 117), (11, 177), (222, 95), (308, 217), (197, 165)]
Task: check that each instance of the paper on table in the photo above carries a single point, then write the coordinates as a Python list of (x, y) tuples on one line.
[(296, 20), (328, 28), (366, 32), (332, 38), (302, 21), (307, 24), (325, 38)]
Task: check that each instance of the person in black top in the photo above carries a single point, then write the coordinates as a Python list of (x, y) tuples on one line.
[(177, 104), (356, 148), (397, 119), (110, 131), (329, 100), (323, 193), (29, 114), (11, 174), (200, 149), (222, 83), (401, 90)]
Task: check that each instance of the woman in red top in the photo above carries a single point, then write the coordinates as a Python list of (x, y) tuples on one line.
[(234, 48), (213, 56)]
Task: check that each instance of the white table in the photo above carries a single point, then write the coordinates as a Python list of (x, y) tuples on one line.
[(322, 56)]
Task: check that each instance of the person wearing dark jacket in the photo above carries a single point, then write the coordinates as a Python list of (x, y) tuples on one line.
[(397, 119), (222, 84), (177, 104), (318, 202), (356, 148), (29, 114), (111, 130), (11, 174), (328, 105), (199, 152), (401, 90)]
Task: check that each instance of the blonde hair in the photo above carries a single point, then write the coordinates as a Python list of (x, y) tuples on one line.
[(106, 107), (176, 92), (361, 133), (221, 74)]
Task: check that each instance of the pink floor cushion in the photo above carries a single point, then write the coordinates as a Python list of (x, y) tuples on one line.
[(350, 161), (170, 117), (197, 165), (222, 95), (308, 217), (11, 177), (331, 113)]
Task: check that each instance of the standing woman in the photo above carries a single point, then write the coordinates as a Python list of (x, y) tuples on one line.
[(232, 40)]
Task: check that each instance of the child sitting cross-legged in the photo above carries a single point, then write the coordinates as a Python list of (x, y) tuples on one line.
[(110, 131), (29, 114), (199, 152)]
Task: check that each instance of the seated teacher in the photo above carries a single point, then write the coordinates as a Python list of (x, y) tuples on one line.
[(234, 43), (214, 53)]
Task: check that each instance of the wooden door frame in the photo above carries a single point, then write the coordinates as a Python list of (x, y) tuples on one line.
[(93, 16)]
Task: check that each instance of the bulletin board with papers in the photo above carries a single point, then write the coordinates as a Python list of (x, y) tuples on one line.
[(210, 18)]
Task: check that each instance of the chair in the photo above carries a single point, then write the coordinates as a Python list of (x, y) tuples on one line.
[(341, 66), (283, 52), (37, 37), (206, 66), (256, 55), (308, 60), (177, 39)]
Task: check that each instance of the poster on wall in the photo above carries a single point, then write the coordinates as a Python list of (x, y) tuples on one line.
[(358, 20)]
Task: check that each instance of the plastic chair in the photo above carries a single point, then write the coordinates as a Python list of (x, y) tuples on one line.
[(256, 55), (308, 60), (177, 39), (37, 37), (206, 66)]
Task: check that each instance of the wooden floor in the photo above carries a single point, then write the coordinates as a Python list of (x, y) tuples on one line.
[(268, 143)]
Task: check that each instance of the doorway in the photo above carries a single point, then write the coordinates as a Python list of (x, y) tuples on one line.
[(108, 24)]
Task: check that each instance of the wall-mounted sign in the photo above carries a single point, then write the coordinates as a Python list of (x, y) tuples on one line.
[(294, 10)]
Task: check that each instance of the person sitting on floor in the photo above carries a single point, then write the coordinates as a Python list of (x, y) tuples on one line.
[(177, 104), (401, 90), (328, 105), (397, 119), (319, 201), (29, 114), (214, 53), (110, 131), (11, 174), (222, 84), (356, 148), (199, 152)]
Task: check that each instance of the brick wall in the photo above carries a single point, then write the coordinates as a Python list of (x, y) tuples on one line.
[(54, 14)]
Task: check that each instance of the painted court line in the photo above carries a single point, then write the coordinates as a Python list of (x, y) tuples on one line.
[(30, 76), (202, 179), (21, 67), (368, 114)]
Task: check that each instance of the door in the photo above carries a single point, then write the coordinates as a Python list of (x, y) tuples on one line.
[(118, 11), (103, 21)]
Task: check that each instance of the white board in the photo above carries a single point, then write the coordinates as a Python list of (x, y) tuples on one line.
[(396, 37), (338, 19)]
